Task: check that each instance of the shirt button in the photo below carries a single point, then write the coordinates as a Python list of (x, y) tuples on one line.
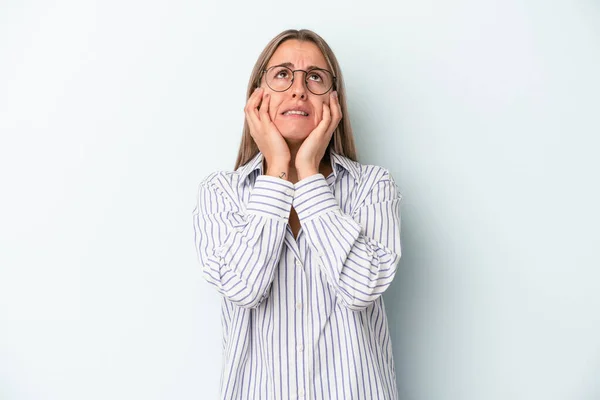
[(298, 263), (301, 392), (300, 347), (299, 306)]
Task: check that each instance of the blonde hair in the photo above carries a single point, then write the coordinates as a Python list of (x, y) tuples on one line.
[(342, 141)]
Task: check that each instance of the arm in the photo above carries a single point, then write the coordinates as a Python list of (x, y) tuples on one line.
[(358, 253), (239, 250)]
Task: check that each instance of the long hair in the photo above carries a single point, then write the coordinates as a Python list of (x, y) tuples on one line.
[(342, 141)]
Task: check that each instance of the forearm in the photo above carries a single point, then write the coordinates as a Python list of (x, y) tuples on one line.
[(239, 250), (358, 253)]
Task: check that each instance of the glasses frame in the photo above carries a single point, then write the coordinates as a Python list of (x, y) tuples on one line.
[(333, 81)]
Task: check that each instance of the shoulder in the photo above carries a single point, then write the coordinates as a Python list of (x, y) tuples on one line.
[(223, 178), (375, 181), (371, 174), (217, 179), (364, 174), (220, 184)]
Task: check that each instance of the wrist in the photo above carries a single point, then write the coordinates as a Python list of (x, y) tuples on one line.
[(279, 172), (306, 172), (278, 168)]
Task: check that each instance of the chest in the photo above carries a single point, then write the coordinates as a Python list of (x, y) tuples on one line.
[(294, 223)]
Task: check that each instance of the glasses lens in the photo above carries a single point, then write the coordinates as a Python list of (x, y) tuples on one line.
[(319, 81), (279, 78)]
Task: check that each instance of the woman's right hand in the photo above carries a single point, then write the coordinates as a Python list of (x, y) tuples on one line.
[(266, 135)]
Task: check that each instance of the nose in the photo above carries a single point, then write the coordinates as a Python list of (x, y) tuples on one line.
[(298, 88)]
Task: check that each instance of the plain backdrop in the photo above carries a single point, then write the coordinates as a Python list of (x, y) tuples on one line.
[(485, 112)]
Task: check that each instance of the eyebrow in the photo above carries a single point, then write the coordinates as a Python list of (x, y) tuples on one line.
[(291, 65)]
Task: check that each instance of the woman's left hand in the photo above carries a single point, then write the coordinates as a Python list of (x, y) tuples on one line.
[(313, 148)]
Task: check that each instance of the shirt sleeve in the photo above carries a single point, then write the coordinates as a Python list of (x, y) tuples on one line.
[(239, 249), (358, 253)]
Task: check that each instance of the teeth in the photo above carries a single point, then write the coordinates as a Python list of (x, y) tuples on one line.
[(295, 112)]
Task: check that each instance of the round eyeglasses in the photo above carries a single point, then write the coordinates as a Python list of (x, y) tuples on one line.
[(318, 81)]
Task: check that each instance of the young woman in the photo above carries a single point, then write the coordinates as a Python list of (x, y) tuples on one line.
[(301, 240)]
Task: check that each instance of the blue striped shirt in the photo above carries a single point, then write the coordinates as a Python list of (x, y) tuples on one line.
[(302, 318)]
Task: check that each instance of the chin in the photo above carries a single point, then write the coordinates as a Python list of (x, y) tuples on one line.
[(295, 136), (294, 133)]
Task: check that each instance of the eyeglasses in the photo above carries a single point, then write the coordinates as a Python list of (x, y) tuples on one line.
[(318, 81)]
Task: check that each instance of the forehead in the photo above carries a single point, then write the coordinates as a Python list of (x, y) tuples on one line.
[(299, 53)]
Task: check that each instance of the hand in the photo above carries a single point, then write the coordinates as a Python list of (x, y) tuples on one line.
[(266, 135), (313, 148)]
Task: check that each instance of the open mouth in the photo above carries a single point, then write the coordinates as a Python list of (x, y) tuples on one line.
[(300, 113)]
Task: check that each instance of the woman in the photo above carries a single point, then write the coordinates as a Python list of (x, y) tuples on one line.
[(301, 240)]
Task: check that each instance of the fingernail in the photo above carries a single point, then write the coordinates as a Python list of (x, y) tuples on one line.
[(335, 94)]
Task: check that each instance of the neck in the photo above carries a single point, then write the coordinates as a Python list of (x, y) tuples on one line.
[(324, 167)]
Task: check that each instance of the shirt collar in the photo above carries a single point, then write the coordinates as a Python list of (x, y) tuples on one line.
[(337, 161)]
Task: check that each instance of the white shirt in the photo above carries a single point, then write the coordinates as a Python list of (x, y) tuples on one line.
[(302, 318)]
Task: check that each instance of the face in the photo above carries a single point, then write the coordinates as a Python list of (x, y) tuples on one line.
[(300, 55)]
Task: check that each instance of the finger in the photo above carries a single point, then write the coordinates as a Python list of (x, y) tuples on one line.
[(251, 108), (336, 115), (325, 120), (250, 99), (334, 121), (255, 100), (327, 114), (252, 123), (264, 109), (336, 109)]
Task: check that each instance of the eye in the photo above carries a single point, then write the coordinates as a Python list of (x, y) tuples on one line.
[(282, 74), (314, 76)]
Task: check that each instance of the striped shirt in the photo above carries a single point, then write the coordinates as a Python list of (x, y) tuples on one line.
[(302, 318)]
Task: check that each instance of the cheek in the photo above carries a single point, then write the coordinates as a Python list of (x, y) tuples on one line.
[(274, 104)]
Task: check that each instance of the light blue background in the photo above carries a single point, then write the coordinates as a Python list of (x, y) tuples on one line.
[(486, 113)]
